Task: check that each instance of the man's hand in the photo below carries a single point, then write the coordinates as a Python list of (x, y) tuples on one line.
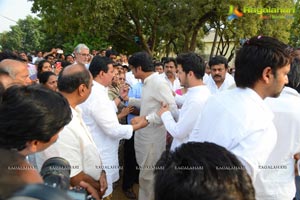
[(91, 190), (139, 122), (123, 92), (125, 111), (164, 108), (103, 183)]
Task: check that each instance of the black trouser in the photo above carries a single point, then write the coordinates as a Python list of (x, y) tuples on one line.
[(130, 169)]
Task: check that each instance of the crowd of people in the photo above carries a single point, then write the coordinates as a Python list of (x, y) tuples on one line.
[(180, 128)]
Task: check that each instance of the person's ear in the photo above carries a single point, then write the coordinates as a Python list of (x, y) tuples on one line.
[(81, 90), (267, 75), (32, 146)]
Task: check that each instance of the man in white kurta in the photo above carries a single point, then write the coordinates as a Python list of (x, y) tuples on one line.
[(227, 84), (191, 69), (276, 180), (99, 114), (150, 141), (238, 119), (219, 79), (75, 143), (77, 146)]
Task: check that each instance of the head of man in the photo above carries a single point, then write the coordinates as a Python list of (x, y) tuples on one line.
[(15, 173), (75, 83), (31, 118), (112, 54), (262, 64), (17, 70), (140, 63), (5, 79), (294, 75), (196, 171), (191, 67), (82, 54), (170, 67), (218, 68), (158, 67), (102, 70)]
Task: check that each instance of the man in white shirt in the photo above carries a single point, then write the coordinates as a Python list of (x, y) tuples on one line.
[(82, 54), (219, 79), (75, 143), (170, 75), (191, 70), (239, 119), (99, 114), (276, 179), (150, 141)]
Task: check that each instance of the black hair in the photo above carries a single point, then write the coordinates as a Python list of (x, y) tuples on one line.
[(99, 64), (196, 171), (192, 62), (10, 55), (255, 55), (294, 75), (170, 59), (218, 60), (44, 76), (31, 113), (69, 82), (40, 67), (143, 60), (110, 52)]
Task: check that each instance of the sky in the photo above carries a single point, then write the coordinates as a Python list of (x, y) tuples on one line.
[(13, 10)]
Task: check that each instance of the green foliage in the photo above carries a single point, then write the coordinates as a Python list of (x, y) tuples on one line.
[(295, 28), (26, 36), (158, 27)]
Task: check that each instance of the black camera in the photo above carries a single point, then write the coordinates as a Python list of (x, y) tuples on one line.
[(56, 173)]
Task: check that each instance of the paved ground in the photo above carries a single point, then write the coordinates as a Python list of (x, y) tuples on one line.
[(118, 193)]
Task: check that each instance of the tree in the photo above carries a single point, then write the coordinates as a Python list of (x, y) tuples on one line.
[(295, 27), (26, 35)]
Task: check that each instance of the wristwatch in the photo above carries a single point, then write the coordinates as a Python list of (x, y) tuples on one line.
[(147, 118), (121, 98)]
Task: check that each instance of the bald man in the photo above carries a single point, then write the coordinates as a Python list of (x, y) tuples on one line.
[(17, 70)]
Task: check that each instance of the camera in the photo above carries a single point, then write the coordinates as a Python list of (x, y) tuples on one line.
[(56, 173)]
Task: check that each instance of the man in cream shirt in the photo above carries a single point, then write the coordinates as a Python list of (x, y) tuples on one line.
[(75, 143)]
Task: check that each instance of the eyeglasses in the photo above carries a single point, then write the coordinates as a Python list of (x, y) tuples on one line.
[(84, 54), (121, 79)]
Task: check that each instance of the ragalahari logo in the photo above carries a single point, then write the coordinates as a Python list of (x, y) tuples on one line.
[(234, 13)]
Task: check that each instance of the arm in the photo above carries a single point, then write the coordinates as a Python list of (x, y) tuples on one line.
[(75, 180), (188, 116)]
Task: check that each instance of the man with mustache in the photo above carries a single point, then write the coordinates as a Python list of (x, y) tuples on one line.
[(219, 78), (170, 68)]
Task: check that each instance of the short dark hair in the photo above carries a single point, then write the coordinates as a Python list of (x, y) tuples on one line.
[(216, 60), (69, 82), (10, 55), (31, 113), (142, 59), (195, 171), (99, 64), (170, 59), (110, 52), (255, 55), (294, 75), (192, 62), (44, 76)]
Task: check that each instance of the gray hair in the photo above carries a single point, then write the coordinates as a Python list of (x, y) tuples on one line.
[(79, 47)]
